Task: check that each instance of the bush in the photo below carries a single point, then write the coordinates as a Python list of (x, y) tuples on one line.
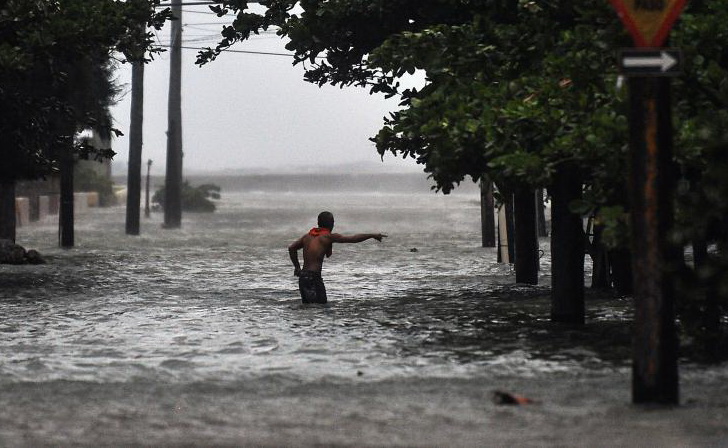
[(194, 199)]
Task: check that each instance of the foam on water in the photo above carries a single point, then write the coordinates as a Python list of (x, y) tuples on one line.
[(216, 299), (196, 337)]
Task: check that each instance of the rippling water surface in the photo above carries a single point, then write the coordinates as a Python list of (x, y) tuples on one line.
[(217, 299), (216, 303)]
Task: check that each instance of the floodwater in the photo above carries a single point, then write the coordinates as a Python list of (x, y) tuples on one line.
[(197, 337)]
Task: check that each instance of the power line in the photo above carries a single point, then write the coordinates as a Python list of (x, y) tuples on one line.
[(196, 4), (265, 53), (271, 28), (194, 25), (209, 13), (164, 5), (198, 25)]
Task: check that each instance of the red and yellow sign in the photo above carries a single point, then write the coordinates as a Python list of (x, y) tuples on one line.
[(648, 21)]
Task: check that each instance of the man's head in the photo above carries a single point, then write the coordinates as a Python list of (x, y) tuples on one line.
[(326, 219)]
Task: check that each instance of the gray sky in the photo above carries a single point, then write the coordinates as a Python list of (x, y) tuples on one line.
[(250, 110)]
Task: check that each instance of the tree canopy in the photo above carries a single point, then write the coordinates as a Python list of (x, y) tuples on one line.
[(513, 87), (504, 79), (514, 90), (55, 62)]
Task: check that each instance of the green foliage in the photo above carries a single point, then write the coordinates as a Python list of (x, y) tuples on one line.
[(701, 143), (332, 39), (516, 90), (52, 58), (194, 199)]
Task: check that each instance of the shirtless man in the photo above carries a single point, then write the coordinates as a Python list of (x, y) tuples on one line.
[(315, 244)]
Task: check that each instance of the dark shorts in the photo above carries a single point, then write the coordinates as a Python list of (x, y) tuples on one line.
[(312, 287)]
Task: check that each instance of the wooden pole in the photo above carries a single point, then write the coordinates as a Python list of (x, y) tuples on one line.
[(134, 176), (506, 239), (147, 213), (654, 367), (7, 210), (510, 228), (524, 207), (173, 178), (567, 249), (65, 218), (541, 213), (487, 214)]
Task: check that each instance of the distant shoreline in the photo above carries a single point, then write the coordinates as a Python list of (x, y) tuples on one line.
[(396, 182), (361, 167)]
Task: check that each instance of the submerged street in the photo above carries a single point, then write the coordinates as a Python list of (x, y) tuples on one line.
[(197, 337)]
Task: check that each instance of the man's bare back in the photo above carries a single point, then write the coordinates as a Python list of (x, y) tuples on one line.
[(316, 245)]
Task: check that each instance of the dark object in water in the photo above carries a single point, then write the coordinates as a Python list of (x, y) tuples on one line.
[(34, 257), (11, 253), (414, 249), (500, 397)]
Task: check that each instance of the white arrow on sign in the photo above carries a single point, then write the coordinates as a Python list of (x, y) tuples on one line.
[(665, 62)]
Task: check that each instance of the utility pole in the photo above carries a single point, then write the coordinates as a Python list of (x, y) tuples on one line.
[(525, 232), (567, 248), (146, 203), (541, 214), (65, 218), (173, 178), (135, 148), (7, 209), (487, 215)]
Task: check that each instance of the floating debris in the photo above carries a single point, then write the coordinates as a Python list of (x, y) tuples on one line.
[(500, 397)]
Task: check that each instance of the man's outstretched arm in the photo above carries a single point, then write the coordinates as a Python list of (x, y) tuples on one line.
[(358, 238), (293, 253)]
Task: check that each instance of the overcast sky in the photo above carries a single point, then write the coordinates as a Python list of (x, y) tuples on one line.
[(250, 111)]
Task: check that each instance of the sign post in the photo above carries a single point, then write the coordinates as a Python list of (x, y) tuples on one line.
[(654, 362)]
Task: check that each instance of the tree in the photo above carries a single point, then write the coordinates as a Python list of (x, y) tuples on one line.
[(523, 92), (509, 84), (701, 143), (48, 53), (194, 199)]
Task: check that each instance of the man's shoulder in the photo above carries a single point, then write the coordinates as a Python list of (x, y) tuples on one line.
[(324, 237)]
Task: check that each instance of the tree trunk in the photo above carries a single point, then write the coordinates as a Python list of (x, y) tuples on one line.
[(65, 218), (506, 231), (134, 176), (525, 235), (711, 312), (620, 263), (7, 210), (541, 210), (510, 229), (146, 201), (567, 250), (487, 216), (601, 270), (173, 179)]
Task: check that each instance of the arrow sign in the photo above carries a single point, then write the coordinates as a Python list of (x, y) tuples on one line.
[(651, 61), (664, 62)]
